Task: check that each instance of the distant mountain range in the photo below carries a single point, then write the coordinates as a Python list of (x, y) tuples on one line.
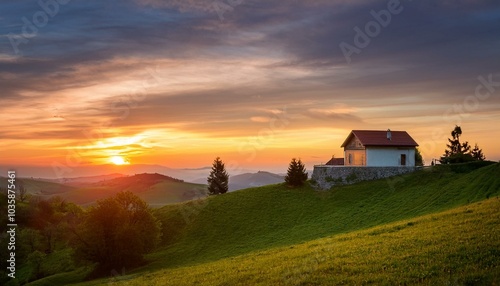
[(250, 180), (94, 173), (84, 180)]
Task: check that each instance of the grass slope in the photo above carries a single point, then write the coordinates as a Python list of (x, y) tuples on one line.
[(39, 187), (166, 192), (257, 220), (457, 247), (272, 216)]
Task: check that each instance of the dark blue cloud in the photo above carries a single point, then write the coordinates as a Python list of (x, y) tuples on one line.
[(440, 44)]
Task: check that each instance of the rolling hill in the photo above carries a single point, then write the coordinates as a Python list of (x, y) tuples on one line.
[(456, 247), (425, 227), (271, 216), (78, 181), (40, 187), (156, 189)]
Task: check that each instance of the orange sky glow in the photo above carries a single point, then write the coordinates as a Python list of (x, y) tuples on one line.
[(185, 87)]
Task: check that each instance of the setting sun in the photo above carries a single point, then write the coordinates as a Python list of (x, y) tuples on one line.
[(119, 160)]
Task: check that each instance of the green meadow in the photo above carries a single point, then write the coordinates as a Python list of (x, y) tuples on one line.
[(435, 226), (460, 246)]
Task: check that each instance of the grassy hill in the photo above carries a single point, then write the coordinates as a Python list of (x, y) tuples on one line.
[(245, 233), (457, 247), (156, 189), (78, 181), (39, 187), (271, 216)]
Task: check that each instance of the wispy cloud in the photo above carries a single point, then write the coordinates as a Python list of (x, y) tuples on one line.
[(220, 80)]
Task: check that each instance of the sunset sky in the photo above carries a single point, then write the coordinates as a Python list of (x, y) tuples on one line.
[(178, 83)]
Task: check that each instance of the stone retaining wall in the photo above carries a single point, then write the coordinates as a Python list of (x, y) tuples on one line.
[(325, 177)]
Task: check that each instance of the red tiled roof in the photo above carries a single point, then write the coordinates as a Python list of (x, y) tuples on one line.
[(379, 138), (335, 162)]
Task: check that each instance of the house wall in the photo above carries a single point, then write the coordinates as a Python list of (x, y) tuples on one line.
[(354, 153), (357, 158), (389, 156), (354, 144)]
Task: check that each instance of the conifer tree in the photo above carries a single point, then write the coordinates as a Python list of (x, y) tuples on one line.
[(477, 153), (296, 175), (457, 152), (218, 180)]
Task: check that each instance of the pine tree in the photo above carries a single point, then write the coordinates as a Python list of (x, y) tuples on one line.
[(477, 153), (218, 178), (457, 152), (296, 175)]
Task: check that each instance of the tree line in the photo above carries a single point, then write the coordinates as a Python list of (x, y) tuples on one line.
[(460, 152), (114, 233)]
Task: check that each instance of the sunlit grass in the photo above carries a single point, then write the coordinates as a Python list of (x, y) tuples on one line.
[(461, 246), (273, 216)]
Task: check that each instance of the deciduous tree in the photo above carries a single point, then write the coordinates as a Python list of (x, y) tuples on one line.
[(117, 232)]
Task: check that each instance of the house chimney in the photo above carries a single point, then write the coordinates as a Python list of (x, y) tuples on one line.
[(389, 134)]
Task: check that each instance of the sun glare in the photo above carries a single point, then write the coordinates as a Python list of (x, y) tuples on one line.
[(119, 160)]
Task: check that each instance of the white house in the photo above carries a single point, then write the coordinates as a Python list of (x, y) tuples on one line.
[(379, 148)]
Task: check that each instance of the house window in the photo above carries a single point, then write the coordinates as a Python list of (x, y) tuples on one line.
[(403, 159), (350, 159)]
